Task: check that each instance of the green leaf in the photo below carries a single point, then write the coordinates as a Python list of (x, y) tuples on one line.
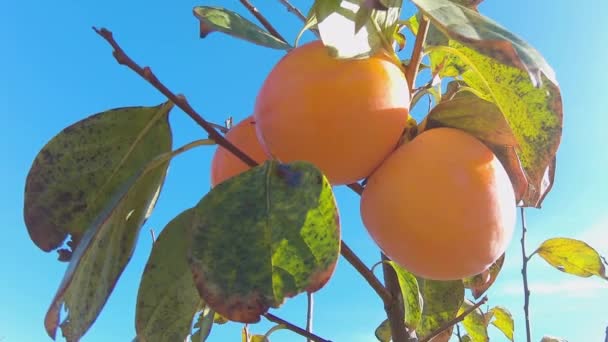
[(480, 283), (534, 115), (353, 30), (80, 169), (466, 338), (204, 325), (441, 299), (167, 298), (487, 37), (475, 323), (503, 321), (220, 19), (572, 256), (104, 251), (412, 299), (267, 234), (383, 331)]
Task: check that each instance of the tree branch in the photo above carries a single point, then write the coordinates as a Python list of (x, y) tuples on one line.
[(262, 20), (292, 9), (350, 256), (524, 273), (294, 328), (454, 321), (180, 101), (309, 312), (395, 309), (414, 65)]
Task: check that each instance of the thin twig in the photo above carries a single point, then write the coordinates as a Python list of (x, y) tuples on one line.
[(153, 236), (417, 52), (294, 328), (352, 258), (180, 101), (606, 339), (458, 333), (309, 312), (394, 309), (524, 273), (293, 9), (454, 321), (262, 20)]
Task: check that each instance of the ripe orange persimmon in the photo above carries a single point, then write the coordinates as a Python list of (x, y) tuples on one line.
[(343, 115), (442, 205), (224, 164)]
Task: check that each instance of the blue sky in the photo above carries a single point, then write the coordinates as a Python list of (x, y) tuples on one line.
[(54, 71)]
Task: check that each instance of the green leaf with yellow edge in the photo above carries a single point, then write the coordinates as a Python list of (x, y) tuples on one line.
[(474, 323), (167, 299), (480, 33), (80, 169), (480, 283), (265, 235), (533, 114), (222, 20), (383, 331), (412, 299), (503, 320), (441, 302), (572, 256), (104, 251)]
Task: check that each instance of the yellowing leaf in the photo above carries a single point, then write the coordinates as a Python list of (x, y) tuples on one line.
[(572, 256), (480, 283), (412, 299), (503, 321), (383, 331), (474, 323)]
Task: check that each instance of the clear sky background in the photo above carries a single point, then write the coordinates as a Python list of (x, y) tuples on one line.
[(54, 71)]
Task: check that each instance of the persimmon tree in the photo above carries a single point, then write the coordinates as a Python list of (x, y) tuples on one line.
[(269, 229)]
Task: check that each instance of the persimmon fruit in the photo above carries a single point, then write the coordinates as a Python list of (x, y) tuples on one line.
[(226, 165), (343, 115), (442, 205)]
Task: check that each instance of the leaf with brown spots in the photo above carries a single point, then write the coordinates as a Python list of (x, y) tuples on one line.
[(480, 33), (222, 20), (167, 299), (78, 171), (265, 235), (441, 301), (104, 251)]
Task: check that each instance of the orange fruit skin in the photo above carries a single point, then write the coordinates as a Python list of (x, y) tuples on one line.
[(226, 165), (442, 206), (344, 116)]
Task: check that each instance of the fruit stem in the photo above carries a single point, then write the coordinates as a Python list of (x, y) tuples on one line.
[(417, 53), (262, 20), (524, 273), (294, 328)]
